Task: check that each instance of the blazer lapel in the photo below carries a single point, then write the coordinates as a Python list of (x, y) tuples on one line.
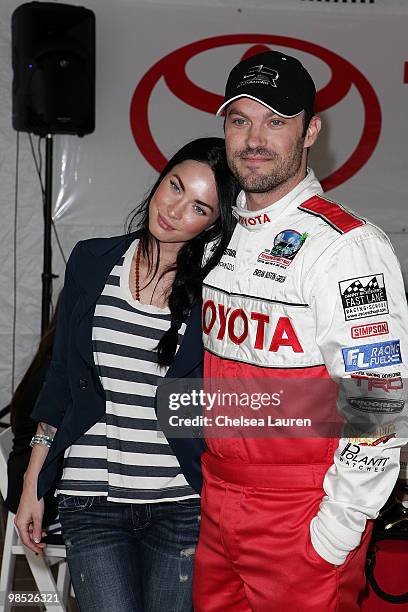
[(94, 271), (190, 353)]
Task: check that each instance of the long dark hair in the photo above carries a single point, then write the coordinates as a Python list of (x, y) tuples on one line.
[(190, 268)]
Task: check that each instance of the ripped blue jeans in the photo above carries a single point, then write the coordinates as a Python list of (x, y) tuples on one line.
[(130, 557)]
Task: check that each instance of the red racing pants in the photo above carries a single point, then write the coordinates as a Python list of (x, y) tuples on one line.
[(254, 552)]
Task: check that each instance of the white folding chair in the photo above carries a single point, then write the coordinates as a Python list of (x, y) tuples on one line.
[(38, 564)]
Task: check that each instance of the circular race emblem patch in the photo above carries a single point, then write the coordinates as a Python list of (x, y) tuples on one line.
[(287, 243)]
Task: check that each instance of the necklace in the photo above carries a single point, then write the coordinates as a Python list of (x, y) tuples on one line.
[(137, 272)]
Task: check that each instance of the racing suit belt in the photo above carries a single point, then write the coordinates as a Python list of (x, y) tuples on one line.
[(282, 476)]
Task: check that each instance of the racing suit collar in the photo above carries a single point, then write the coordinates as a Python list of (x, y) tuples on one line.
[(257, 220)]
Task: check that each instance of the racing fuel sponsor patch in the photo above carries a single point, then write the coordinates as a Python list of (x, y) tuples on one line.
[(371, 356), (364, 296), (371, 329), (286, 245)]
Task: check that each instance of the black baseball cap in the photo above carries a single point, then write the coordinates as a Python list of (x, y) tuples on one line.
[(276, 80)]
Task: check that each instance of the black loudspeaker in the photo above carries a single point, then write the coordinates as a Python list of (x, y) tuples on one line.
[(53, 48)]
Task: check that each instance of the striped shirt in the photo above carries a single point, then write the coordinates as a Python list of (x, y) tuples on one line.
[(125, 457)]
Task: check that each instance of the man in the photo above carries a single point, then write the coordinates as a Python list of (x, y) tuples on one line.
[(306, 291)]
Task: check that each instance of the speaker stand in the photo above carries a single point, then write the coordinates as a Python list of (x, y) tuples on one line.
[(47, 275)]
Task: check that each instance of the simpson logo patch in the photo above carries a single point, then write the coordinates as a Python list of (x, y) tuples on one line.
[(370, 356), (286, 245), (364, 296), (372, 329)]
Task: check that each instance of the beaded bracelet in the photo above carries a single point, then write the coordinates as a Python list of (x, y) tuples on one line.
[(39, 439)]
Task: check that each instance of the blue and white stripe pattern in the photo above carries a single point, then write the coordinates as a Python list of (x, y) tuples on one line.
[(125, 456)]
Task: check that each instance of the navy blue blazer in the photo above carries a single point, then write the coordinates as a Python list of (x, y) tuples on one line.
[(72, 398)]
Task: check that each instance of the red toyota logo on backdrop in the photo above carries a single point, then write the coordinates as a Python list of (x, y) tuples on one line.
[(172, 68)]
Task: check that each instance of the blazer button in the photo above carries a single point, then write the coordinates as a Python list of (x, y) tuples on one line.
[(82, 383)]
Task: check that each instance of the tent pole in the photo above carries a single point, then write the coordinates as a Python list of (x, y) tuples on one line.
[(47, 253)]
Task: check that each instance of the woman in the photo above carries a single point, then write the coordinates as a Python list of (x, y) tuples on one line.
[(128, 500)]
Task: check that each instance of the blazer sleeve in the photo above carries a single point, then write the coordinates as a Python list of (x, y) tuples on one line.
[(55, 394)]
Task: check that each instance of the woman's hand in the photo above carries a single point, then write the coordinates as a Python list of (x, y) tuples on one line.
[(30, 512), (29, 518)]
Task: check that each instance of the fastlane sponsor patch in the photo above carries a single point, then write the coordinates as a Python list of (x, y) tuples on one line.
[(370, 356), (364, 296), (372, 329)]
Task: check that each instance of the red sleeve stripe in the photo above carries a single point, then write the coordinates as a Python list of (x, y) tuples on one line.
[(333, 213)]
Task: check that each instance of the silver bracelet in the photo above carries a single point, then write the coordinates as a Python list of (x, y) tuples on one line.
[(40, 439)]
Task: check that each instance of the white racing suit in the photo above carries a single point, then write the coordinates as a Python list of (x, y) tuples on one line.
[(306, 289)]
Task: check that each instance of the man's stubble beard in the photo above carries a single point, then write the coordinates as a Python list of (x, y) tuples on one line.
[(282, 171)]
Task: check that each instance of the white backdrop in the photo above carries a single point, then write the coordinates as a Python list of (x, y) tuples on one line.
[(161, 69)]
